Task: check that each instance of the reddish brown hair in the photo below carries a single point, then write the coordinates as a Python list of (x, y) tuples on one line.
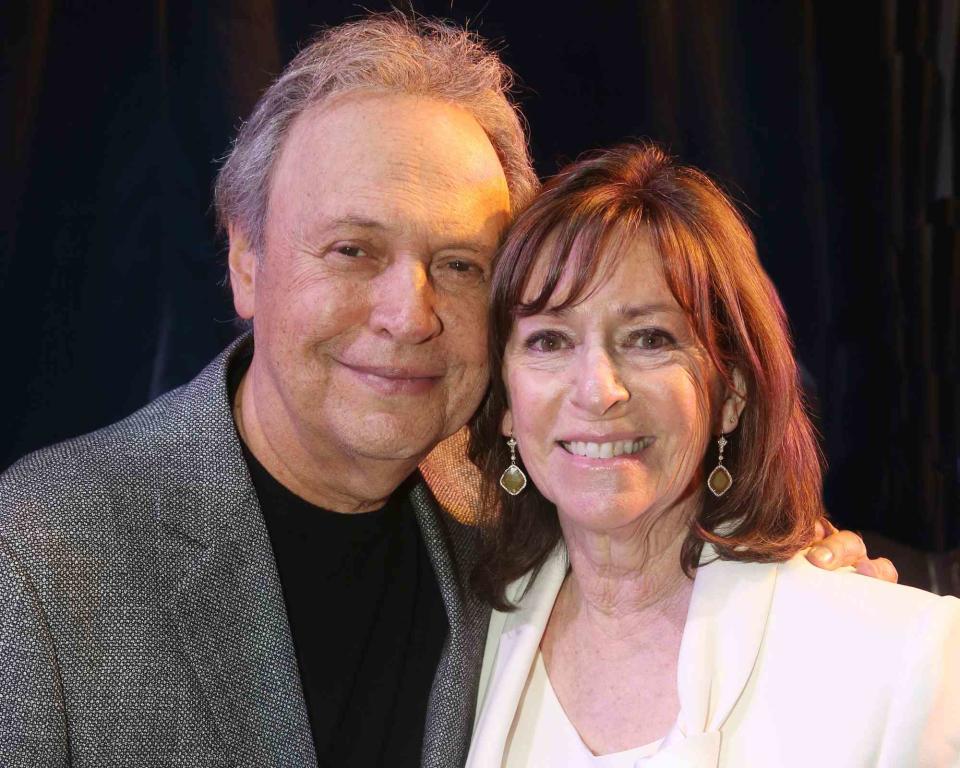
[(710, 264)]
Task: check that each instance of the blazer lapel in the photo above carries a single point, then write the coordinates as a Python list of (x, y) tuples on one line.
[(722, 637), (452, 549), (520, 633), (221, 582)]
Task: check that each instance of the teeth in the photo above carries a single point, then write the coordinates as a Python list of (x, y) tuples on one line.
[(606, 450)]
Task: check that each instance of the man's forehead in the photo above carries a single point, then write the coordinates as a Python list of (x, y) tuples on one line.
[(391, 160), (420, 168), (381, 134)]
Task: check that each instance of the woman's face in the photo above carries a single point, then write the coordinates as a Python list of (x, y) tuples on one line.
[(610, 398)]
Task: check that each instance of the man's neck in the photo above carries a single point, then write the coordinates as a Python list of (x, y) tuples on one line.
[(309, 466)]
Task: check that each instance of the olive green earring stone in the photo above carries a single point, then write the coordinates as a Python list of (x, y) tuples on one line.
[(719, 481), (513, 480)]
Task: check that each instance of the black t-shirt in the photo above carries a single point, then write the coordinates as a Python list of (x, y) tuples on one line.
[(367, 619)]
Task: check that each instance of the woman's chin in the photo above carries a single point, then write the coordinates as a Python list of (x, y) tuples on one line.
[(626, 514), (615, 515)]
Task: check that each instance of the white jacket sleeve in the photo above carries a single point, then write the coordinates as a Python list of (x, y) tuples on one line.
[(923, 728)]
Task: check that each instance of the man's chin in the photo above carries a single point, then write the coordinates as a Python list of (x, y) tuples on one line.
[(397, 440)]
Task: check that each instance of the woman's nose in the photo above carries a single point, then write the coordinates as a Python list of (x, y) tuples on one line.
[(599, 385)]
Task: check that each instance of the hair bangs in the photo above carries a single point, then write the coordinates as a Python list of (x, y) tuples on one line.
[(578, 251)]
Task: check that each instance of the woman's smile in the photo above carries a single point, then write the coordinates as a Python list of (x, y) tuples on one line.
[(608, 449)]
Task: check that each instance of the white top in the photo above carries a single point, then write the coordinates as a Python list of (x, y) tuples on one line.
[(544, 737), (781, 664)]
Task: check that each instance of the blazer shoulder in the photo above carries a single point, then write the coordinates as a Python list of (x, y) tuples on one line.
[(83, 467), (847, 601), (896, 647), (73, 502), (117, 461)]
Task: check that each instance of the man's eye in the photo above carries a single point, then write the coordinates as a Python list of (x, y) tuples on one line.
[(461, 271), (353, 251), (547, 341)]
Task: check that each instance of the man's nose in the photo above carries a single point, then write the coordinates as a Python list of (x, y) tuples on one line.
[(599, 385), (404, 303)]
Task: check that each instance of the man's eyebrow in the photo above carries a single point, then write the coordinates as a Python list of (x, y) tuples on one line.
[(360, 222), (468, 245)]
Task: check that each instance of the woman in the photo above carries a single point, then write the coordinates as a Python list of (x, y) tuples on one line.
[(649, 607)]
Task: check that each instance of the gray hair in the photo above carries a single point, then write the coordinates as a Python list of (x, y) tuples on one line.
[(384, 51)]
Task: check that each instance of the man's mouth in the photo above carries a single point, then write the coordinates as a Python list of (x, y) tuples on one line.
[(606, 450), (396, 379)]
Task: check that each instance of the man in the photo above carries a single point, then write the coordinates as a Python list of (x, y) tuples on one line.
[(250, 571)]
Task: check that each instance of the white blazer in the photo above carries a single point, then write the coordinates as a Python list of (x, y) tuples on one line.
[(780, 664)]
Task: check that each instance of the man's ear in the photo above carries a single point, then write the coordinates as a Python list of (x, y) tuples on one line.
[(243, 272), (506, 423), (733, 403)]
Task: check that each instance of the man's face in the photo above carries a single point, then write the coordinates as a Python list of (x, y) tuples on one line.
[(369, 301)]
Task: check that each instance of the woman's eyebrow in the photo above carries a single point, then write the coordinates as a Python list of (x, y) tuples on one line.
[(632, 311), (626, 311)]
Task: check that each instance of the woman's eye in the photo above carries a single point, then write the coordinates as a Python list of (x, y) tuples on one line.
[(547, 341), (651, 339)]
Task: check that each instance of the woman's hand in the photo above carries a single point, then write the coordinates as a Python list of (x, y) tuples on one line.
[(835, 549)]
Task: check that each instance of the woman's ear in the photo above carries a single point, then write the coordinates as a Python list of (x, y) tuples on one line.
[(733, 403), (506, 423)]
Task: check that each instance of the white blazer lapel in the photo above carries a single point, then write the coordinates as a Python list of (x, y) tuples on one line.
[(508, 661), (721, 641)]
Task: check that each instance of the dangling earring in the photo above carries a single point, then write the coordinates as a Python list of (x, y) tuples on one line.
[(513, 480), (719, 481)]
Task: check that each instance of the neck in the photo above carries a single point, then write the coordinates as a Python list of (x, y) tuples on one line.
[(305, 463), (627, 576)]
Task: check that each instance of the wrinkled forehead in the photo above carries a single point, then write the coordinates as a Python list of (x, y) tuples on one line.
[(570, 266)]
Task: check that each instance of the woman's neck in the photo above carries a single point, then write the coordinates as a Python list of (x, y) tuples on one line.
[(625, 575), (612, 643)]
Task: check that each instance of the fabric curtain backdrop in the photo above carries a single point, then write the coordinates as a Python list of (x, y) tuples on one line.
[(834, 125)]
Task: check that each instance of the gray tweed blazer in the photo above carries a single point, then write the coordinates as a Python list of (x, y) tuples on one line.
[(141, 616)]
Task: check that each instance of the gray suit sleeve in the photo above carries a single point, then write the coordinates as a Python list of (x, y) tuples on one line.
[(33, 730)]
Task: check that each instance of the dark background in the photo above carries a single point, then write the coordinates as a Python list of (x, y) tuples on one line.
[(834, 124)]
